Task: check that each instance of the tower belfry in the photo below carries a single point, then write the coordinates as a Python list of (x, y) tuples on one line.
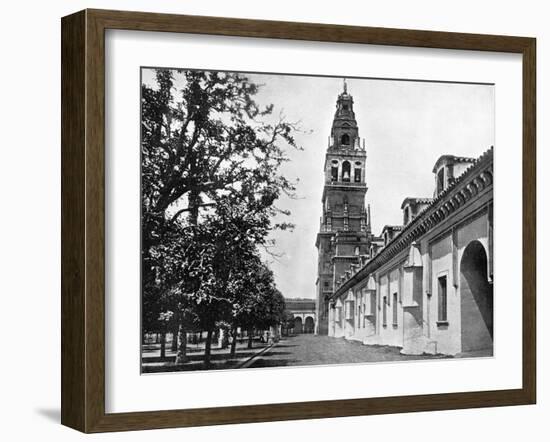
[(344, 233)]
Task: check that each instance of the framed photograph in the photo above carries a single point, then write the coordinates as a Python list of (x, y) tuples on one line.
[(267, 221)]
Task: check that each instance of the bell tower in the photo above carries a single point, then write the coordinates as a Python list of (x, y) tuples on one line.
[(344, 232)]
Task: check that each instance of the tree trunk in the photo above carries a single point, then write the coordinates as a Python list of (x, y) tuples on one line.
[(163, 345), (208, 348), (233, 342), (223, 338), (194, 204), (250, 337), (181, 356), (175, 338)]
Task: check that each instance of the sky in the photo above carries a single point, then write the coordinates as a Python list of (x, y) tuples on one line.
[(407, 126)]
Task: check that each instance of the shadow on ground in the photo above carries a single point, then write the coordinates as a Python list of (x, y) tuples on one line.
[(196, 357), (299, 350), (51, 414), (271, 363)]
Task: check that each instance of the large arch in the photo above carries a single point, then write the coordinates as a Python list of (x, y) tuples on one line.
[(309, 325), (476, 300), (298, 325)]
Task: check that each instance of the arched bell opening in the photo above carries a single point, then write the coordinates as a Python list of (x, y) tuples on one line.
[(346, 171)]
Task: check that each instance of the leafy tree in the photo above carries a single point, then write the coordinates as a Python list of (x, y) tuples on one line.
[(206, 141), (260, 305), (232, 235), (210, 179)]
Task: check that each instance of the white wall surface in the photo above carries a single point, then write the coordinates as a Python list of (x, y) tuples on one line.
[(30, 215)]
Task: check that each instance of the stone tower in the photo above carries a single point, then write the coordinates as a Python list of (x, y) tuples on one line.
[(344, 233)]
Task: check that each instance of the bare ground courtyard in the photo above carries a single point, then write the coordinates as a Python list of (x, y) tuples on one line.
[(324, 350), (298, 350)]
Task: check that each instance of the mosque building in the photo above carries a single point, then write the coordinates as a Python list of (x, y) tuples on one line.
[(425, 286)]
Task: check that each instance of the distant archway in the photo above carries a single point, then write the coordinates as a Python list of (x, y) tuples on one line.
[(476, 300), (298, 325), (345, 140), (309, 325)]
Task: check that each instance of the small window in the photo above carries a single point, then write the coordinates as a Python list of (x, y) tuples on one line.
[(345, 107), (350, 308), (325, 284), (394, 311), (442, 299), (385, 311), (334, 173), (357, 175), (345, 140), (440, 180)]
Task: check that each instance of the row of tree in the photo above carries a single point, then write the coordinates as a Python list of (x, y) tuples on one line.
[(211, 160)]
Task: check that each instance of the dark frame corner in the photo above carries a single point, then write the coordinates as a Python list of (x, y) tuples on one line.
[(83, 215)]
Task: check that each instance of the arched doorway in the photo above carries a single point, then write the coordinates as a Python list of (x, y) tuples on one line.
[(309, 325), (476, 300), (298, 325)]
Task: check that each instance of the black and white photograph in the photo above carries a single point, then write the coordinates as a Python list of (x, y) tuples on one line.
[(295, 220), (249, 221)]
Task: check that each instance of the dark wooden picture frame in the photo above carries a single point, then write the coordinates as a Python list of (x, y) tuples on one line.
[(83, 220)]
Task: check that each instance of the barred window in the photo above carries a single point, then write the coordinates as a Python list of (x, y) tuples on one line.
[(442, 299), (394, 311)]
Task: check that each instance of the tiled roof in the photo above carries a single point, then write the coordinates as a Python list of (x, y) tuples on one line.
[(451, 159), (416, 227), (395, 228), (416, 201)]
